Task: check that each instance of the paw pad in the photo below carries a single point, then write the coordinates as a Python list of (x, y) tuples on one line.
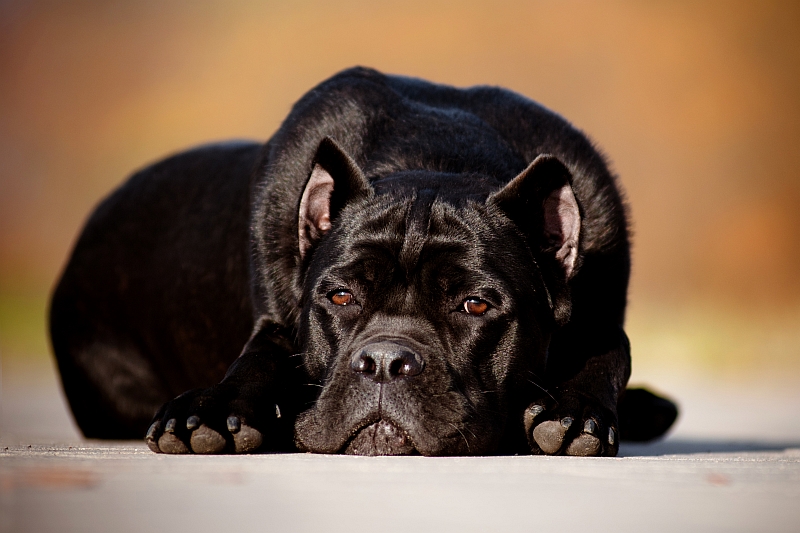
[(550, 435), (247, 439), (206, 440), (584, 445), (169, 443)]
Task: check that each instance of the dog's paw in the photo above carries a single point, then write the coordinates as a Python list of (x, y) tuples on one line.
[(220, 419), (572, 426)]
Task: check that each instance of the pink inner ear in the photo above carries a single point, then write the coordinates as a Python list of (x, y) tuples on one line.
[(562, 225), (314, 216)]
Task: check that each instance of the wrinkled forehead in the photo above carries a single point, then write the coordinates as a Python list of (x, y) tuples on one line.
[(434, 208), (456, 189), (435, 223)]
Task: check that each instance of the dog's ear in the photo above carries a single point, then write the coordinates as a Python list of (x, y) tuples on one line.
[(542, 204), (335, 180)]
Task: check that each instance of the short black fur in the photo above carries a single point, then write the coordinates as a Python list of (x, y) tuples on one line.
[(410, 267)]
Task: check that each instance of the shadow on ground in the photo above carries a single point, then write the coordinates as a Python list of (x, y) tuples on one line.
[(685, 445)]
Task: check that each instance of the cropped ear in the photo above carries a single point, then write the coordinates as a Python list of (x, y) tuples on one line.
[(541, 203), (335, 180)]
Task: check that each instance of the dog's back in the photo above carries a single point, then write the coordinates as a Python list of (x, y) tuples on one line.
[(155, 299)]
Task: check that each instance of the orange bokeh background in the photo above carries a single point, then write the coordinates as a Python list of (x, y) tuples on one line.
[(697, 106)]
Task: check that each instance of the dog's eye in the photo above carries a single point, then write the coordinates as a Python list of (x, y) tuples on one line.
[(475, 306), (341, 297)]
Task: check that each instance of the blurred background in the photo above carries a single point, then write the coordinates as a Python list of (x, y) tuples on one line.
[(696, 105)]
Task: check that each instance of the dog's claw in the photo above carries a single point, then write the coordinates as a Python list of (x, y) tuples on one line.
[(590, 427), (529, 417), (535, 410), (566, 422), (611, 437), (234, 424), (170, 427), (150, 438), (192, 422)]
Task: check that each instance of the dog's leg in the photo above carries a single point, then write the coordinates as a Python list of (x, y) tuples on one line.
[(252, 408), (588, 361), (108, 377), (644, 416), (591, 368)]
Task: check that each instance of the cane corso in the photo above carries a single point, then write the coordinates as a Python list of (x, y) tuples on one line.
[(403, 268)]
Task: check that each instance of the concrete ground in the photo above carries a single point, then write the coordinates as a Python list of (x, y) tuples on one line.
[(731, 464)]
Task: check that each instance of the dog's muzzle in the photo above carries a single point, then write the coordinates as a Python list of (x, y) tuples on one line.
[(386, 363)]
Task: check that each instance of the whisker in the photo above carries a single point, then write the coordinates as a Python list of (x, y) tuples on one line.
[(471, 433), (539, 386), (462, 435)]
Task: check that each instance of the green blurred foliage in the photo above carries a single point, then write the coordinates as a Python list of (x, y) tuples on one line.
[(23, 325)]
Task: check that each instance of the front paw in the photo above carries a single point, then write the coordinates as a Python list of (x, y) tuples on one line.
[(221, 419), (572, 425)]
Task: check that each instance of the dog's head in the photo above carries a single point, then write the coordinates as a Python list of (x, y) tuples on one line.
[(428, 302)]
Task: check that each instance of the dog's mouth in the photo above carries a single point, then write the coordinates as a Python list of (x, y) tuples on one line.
[(380, 438)]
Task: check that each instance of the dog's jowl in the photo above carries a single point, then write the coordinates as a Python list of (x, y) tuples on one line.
[(403, 268)]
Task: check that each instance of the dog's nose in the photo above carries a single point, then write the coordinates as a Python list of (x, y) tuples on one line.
[(386, 361)]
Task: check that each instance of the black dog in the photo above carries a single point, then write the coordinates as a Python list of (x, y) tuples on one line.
[(410, 267)]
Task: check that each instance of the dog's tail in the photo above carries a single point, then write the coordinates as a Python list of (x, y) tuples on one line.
[(643, 416)]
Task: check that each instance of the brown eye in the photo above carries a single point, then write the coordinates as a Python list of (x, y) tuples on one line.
[(341, 297), (475, 306)]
